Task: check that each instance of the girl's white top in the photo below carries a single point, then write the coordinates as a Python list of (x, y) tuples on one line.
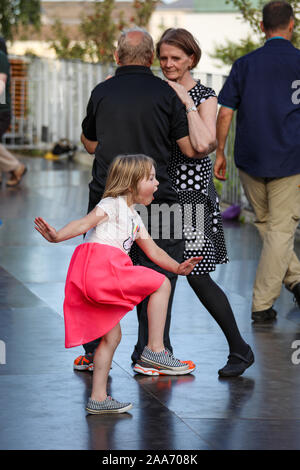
[(120, 229)]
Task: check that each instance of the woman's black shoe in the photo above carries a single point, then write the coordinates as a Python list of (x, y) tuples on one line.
[(236, 369)]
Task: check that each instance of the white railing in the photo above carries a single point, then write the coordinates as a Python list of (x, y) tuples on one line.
[(57, 95), (53, 100)]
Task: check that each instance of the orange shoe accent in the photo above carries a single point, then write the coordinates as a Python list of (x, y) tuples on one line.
[(149, 371), (140, 369), (83, 362), (191, 364)]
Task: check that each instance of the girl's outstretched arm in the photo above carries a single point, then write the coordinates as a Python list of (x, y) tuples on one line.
[(72, 229), (161, 258)]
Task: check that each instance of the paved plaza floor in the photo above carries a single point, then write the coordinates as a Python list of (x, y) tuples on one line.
[(43, 399)]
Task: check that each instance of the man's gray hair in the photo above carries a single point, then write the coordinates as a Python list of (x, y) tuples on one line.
[(134, 50)]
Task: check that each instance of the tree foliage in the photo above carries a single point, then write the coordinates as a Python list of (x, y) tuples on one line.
[(15, 13), (232, 50), (63, 46), (100, 31), (143, 10)]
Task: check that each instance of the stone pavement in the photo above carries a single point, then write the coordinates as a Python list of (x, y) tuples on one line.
[(43, 399)]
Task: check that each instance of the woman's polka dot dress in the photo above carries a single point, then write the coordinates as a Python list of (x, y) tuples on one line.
[(202, 222)]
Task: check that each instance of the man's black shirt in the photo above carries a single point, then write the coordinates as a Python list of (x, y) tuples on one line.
[(134, 112)]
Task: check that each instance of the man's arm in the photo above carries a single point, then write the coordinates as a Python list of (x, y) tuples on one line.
[(223, 125), (89, 134), (89, 145)]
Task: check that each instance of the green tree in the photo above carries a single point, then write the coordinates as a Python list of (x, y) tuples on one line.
[(100, 31), (143, 10), (15, 13), (230, 51), (63, 46)]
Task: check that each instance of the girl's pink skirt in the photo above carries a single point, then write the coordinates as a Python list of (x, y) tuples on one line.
[(102, 286)]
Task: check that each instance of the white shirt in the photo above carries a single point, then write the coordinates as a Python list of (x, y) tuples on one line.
[(120, 229)]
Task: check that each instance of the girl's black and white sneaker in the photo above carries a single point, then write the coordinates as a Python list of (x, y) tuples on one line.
[(163, 361), (109, 405)]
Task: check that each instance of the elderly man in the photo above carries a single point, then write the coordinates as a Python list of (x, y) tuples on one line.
[(261, 87), (137, 112)]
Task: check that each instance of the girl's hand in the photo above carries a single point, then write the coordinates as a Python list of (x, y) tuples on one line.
[(182, 93), (45, 229), (187, 266)]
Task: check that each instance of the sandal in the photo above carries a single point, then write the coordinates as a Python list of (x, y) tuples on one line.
[(16, 175)]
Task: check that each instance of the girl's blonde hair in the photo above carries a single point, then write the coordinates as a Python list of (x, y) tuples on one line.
[(125, 172)]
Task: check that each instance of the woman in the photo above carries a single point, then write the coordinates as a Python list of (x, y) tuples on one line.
[(179, 53)]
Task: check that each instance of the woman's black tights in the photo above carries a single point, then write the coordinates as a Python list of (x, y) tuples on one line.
[(216, 302)]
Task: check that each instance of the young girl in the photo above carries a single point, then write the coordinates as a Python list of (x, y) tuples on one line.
[(102, 284)]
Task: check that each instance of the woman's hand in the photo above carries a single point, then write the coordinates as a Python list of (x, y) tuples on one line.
[(182, 93), (45, 229), (187, 266)]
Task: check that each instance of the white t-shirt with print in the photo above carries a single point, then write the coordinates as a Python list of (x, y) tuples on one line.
[(120, 229)]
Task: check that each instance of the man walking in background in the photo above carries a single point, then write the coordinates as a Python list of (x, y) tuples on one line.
[(261, 87)]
